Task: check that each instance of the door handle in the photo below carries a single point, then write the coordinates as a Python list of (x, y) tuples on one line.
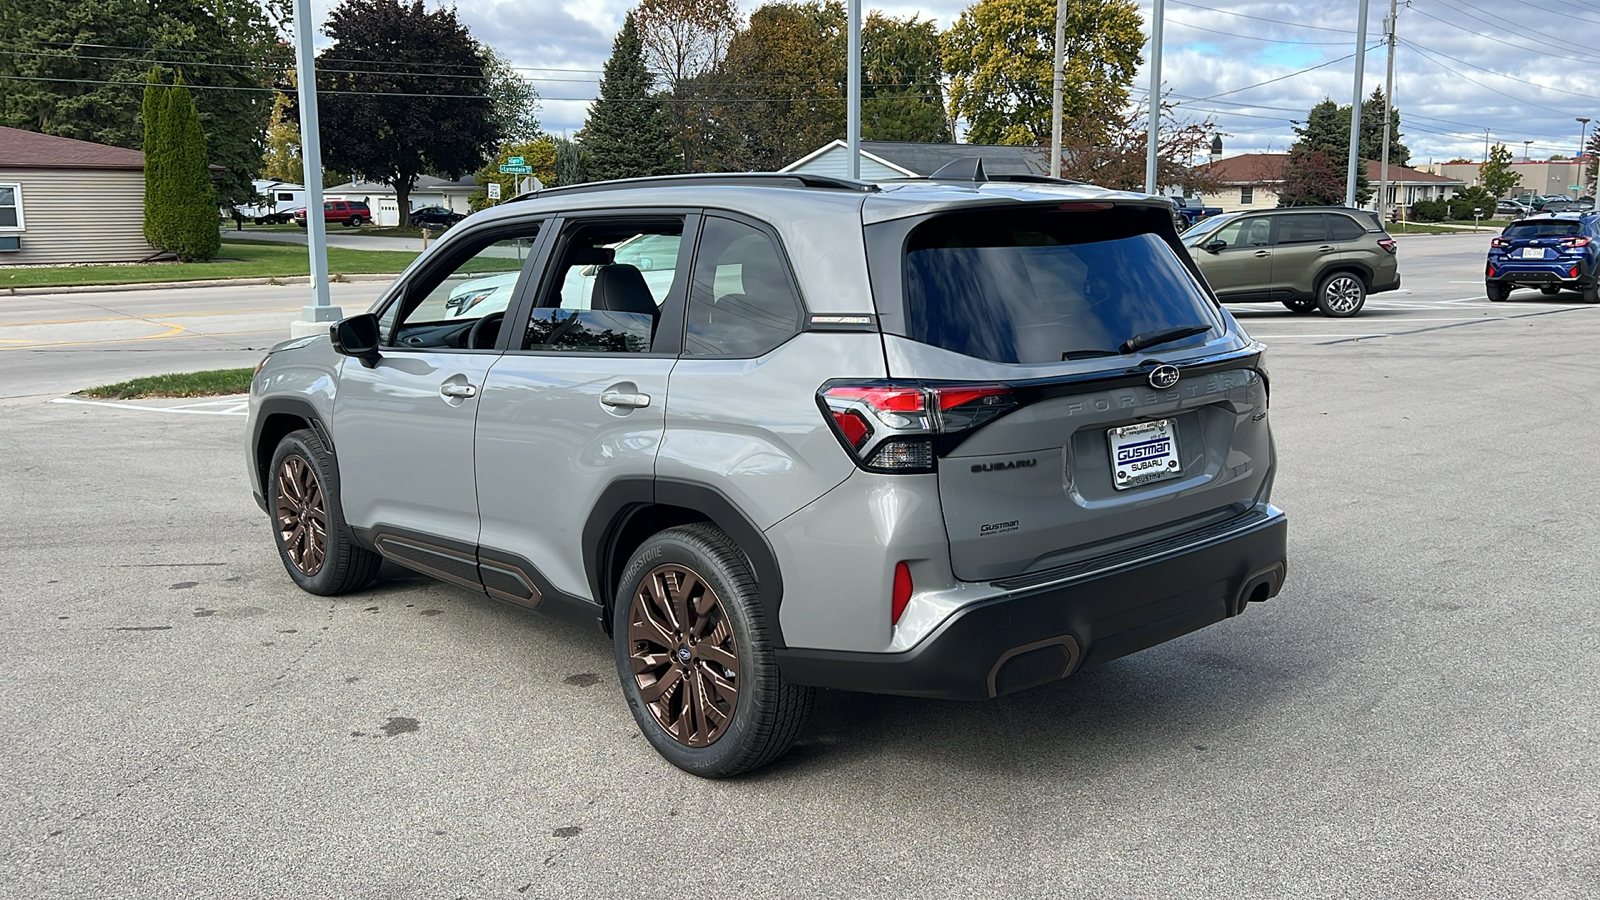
[(624, 399), (1263, 252), (451, 389), (1325, 248)]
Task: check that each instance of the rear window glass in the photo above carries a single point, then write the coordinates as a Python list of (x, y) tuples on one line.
[(1555, 228), (1044, 286)]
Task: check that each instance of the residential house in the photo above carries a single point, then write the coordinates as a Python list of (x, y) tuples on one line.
[(67, 201), (1255, 181)]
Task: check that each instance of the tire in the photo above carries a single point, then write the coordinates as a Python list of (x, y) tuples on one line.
[(1549, 290), (1300, 306), (355, 221), (1591, 294), (1341, 295), (303, 480), (689, 718), (1497, 292), (260, 221)]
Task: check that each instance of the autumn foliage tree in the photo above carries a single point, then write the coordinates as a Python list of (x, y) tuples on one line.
[(1313, 177), (403, 93), (684, 42), (1118, 160), (902, 74), (1000, 55)]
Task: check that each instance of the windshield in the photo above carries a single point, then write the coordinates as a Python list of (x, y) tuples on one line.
[(1046, 286), (1547, 228)]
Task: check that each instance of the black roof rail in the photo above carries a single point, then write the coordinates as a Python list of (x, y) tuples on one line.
[(711, 179)]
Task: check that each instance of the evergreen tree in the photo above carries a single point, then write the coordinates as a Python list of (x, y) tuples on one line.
[(1326, 130), (157, 157), (192, 231), (626, 134), (572, 161)]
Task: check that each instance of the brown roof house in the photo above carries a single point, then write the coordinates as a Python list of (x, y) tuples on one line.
[(67, 201), (1253, 180)]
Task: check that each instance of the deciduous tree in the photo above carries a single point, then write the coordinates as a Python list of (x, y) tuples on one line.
[(401, 93), (1119, 159), (1496, 174), (684, 42), (539, 155), (626, 135), (1313, 177), (902, 93), (515, 98), (1000, 53)]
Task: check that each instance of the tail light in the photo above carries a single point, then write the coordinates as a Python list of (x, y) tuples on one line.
[(902, 592), (1499, 242), (1387, 244), (900, 427), (1571, 243)]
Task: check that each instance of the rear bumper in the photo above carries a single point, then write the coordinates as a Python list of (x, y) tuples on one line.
[(1035, 636), (1387, 286), (1538, 275)]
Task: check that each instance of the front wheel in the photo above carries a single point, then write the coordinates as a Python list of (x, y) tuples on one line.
[(1300, 306), (1341, 295), (696, 665), (1497, 292), (316, 545), (355, 221)]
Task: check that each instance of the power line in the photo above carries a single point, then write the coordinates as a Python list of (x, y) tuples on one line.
[(1426, 55), (1561, 41), (1543, 51), (1262, 19), (1249, 37), (1290, 75), (1590, 95)]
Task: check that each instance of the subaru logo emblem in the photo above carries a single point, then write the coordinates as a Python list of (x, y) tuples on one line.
[(1163, 377)]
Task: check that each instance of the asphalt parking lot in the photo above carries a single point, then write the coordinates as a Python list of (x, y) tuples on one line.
[(1414, 716)]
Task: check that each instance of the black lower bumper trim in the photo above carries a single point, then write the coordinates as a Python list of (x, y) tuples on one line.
[(1031, 637)]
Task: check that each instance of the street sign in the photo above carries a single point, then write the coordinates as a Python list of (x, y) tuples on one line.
[(515, 161), (517, 169), (1574, 187), (494, 190)]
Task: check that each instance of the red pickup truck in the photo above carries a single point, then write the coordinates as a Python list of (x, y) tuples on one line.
[(350, 213)]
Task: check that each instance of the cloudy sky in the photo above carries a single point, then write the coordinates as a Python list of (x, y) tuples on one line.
[(1524, 69)]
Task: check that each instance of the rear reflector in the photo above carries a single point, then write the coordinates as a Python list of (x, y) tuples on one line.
[(1573, 272), (902, 592)]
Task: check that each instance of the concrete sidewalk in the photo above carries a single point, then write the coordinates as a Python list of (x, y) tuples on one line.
[(355, 240)]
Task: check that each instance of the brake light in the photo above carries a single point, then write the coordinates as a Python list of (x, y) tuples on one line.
[(1575, 242), (902, 592), (1387, 244), (1499, 242), (900, 426)]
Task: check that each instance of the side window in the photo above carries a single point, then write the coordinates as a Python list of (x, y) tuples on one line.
[(605, 286), (441, 304), (1247, 195), (1247, 232), (1301, 229), (1344, 228), (742, 301)]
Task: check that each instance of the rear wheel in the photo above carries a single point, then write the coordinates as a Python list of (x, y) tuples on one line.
[(316, 545), (1300, 306), (1499, 293), (355, 221), (696, 665), (1591, 294), (1341, 295)]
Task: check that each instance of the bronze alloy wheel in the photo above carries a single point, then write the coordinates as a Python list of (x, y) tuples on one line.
[(302, 515), (685, 661)]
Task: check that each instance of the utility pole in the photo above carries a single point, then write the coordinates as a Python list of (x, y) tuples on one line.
[(1058, 83), (852, 91), (314, 319), (1526, 146), (1388, 112), (1156, 23), (1355, 109), (1583, 132)]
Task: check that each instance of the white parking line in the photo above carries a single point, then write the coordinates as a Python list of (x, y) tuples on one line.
[(232, 406)]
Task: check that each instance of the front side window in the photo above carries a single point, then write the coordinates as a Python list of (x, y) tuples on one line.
[(606, 286), (1044, 286), (743, 302), (1252, 232), (442, 305), (11, 206)]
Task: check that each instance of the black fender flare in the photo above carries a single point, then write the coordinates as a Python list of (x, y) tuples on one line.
[(626, 497), (274, 406)]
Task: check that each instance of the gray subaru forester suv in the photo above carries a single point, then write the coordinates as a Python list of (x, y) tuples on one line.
[(776, 433)]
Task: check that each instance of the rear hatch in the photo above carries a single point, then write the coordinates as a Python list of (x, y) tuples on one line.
[(1546, 240), (1091, 398)]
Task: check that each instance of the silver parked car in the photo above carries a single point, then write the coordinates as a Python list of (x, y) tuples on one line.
[(939, 438)]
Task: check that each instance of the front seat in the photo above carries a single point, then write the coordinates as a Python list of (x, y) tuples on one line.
[(621, 288)]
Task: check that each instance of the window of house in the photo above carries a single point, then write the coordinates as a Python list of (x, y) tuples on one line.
[(1247, 195), (11, 206)]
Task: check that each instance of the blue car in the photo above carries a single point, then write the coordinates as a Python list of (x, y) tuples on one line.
[(1549, 252)]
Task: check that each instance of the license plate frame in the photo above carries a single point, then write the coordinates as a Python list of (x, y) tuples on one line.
[(1143, 453), (1531, 253)]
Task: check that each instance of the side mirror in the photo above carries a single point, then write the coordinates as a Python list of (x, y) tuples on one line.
[(357, 336), (1215, 246)]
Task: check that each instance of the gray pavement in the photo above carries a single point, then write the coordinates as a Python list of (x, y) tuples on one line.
[(1414, 716)]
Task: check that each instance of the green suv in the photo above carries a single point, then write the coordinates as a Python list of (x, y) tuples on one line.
[(1305, 258)]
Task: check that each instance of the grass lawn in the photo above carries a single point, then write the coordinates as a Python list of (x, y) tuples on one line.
[(237, 259), (1422, 228), (216, 382)]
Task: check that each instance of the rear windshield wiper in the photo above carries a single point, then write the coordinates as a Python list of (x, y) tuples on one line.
[(1086, 354), (1151, 338)]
